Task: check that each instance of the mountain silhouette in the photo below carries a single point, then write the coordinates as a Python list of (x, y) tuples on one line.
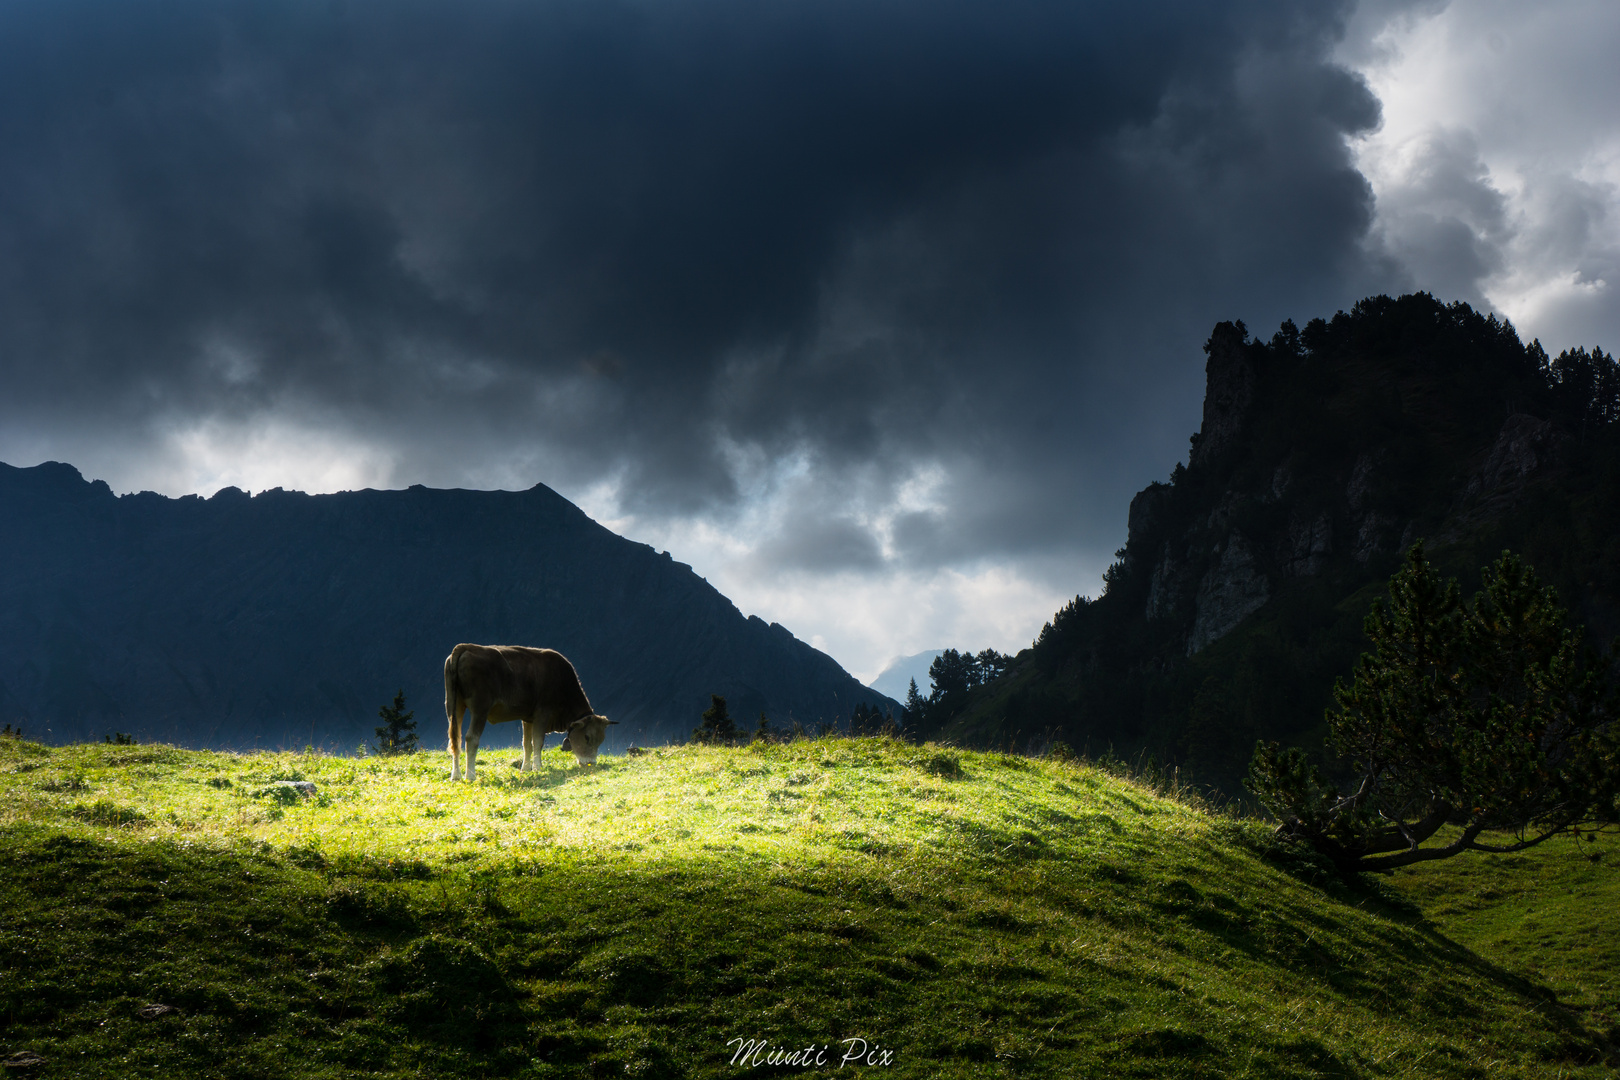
[(288, 619)]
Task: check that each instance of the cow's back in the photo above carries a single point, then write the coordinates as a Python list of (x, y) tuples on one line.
[(518, 681)]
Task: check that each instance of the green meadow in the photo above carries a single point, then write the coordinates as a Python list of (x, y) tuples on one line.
[(714, 912)]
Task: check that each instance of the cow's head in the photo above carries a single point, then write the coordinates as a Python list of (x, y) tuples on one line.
[(585, 737)]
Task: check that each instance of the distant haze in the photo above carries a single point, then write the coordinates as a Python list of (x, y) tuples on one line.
[(895, 681)]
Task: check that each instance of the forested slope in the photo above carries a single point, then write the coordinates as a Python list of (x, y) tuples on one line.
[(1323, 454)]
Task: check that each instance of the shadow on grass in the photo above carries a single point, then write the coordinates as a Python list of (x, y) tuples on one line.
[(1408, 934)]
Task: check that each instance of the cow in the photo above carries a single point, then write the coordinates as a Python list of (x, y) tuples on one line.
[(514, 682)]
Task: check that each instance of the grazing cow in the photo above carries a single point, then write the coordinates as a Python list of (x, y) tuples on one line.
[(513, 682)]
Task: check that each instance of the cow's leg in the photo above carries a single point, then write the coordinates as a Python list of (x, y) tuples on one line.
[(454, 703), (455, 709), (534, 741), (470, 738)]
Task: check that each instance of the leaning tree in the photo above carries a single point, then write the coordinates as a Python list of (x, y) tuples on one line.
[(1470, 727)]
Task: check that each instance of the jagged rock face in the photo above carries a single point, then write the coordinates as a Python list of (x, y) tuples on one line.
[(1310, 542), (1356, 492), (1162, 587), (1282, 478), (1228, 394), (1373, 528), (1525, 446), (1372, 537), (1144, 512), (1230, 592)]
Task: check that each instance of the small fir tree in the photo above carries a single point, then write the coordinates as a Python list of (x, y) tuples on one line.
[(717, 726), (762, 731), (915, 704), (398, 733)]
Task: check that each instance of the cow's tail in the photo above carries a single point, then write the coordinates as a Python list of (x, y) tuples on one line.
[(454, 704)]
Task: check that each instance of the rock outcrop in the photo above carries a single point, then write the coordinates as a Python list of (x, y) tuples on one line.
[(1230, 592), (1229, 378), (1523, 447), (1281, 486), (1322, 455)]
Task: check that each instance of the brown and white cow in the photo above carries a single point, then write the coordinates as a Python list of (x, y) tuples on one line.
[(539, 687)]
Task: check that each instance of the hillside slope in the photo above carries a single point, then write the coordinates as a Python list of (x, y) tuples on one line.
[(1323, 454), (974, 915), (285, 619)]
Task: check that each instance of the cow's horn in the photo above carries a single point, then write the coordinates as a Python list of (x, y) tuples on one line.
[(613, 721)]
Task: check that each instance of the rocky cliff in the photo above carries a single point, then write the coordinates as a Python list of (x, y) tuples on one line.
[(1323, 454), (287, 619)]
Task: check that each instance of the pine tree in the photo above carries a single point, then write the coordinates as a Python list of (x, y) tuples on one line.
[(398, 733), (1480, 716), (915, 704), (990, 665), (717, 726), (950, 673)]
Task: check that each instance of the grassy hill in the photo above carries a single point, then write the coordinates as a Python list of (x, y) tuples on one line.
[(970, 914)]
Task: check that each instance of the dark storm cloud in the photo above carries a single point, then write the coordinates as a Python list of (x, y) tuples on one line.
[(1447, 222), (638, 236)]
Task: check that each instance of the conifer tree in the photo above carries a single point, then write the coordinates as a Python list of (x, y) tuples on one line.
[(950, 673), (1482, 717), (398, 733), (915, 704), (717, 726)]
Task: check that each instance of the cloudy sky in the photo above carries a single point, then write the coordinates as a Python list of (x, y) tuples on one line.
[(875, 311)]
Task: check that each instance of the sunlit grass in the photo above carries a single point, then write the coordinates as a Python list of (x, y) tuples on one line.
[(977, 914), (808, 802)]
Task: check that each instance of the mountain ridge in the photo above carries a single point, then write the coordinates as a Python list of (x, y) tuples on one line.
[(287, 618)]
